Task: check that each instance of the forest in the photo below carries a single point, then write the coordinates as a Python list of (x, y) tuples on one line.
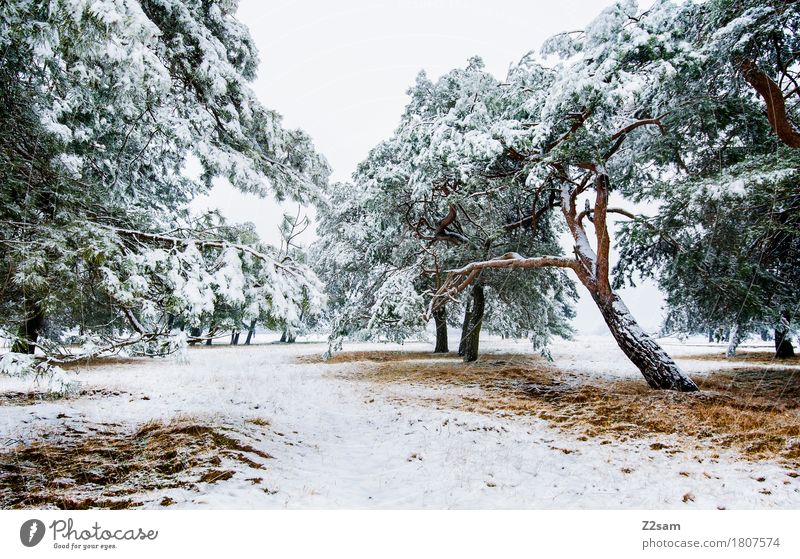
[(657, 144)]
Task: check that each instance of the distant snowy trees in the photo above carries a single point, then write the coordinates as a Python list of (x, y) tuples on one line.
[(103, 104)]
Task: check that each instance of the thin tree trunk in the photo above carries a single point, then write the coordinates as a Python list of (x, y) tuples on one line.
[(440, 318), (783, 341), (235, 337), (211, 332), (462, 344), (29, 329), (250, 332), (475, 323), (658, 368)]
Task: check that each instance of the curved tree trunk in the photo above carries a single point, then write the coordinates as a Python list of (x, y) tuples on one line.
[(28, 333), (212, 331), (658, 368), (592, 267), (250, 332), (733, 341), (440, 318), (475, 323)]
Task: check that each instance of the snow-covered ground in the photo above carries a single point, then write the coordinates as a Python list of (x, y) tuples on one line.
[(346, 443)]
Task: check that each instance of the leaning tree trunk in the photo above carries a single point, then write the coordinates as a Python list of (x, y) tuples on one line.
[(29, 330), (212, 331), (658, 368), (475, 323), (733, 341), (250, 331), (440, 318)]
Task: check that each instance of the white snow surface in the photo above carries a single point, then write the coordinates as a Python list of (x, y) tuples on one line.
[(345, 443)]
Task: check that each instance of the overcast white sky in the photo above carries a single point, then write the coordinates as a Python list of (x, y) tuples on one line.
[(340, 69)]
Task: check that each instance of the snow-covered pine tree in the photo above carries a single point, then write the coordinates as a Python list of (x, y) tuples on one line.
[(103, 104), (407, 218), (724, 243)]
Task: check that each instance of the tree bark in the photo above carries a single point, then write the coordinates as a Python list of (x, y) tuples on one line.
[(657, 368), (250, 332), (475, 323), (440, 318), (235, 337), (29, 329), (462, 344)]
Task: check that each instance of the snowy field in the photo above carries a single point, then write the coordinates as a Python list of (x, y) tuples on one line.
[(342, 442)]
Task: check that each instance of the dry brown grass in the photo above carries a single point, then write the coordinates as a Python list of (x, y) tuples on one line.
[(753, 411), (392, 356), (13, 398), (77, 470), (754, 357), (96, 362), (373, 357)]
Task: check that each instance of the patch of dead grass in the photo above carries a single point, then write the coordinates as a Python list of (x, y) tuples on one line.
[(754, 357), (96, 362), (753, 411), (77, 469), (399, 355), (16, 398), (373, 357)]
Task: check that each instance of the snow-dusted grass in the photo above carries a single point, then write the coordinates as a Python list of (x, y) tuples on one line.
[(339, 440)]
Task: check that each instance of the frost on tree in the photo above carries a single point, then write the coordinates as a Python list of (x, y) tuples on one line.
[(103, 104)]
